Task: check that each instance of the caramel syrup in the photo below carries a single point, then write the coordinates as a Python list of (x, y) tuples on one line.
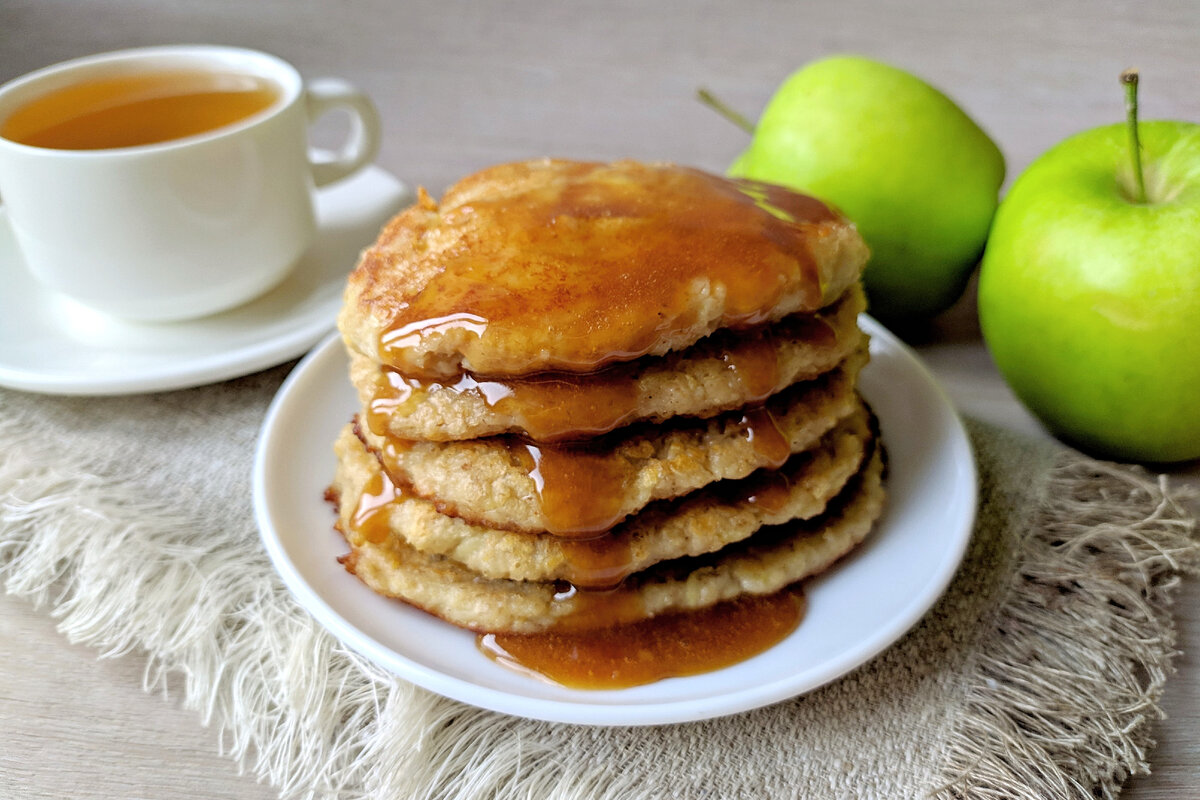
[(756, 365), (138, 109), (665, 646), (598, 564), (582, 265), (771, 493), (580, 490), (370, 518), (761, 428)]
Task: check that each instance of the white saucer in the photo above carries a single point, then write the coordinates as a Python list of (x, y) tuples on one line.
[(856, 610), (51, 344)]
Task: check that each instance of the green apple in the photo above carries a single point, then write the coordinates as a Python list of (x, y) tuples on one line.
[(917, 176), (1089, 297)]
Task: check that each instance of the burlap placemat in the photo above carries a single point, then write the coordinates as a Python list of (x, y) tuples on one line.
[(1035, 676)]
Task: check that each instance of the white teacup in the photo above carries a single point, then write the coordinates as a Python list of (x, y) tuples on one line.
[(173, 228)]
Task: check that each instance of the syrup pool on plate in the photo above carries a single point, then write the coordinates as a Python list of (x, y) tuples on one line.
[(666, 646)]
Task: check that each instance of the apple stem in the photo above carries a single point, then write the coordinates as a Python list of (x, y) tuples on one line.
[(710, 100), (1130, 78)]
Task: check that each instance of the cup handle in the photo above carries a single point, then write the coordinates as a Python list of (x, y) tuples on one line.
[(361, 147)]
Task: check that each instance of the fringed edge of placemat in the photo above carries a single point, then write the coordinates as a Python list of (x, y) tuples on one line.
[(285, 698), (1048, 713)]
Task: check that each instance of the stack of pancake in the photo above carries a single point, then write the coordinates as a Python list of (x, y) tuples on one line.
[(596, 393)]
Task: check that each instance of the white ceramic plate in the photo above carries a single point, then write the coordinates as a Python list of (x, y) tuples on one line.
[(54, 345), (855, 610)]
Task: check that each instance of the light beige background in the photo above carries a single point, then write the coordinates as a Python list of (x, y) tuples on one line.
[(461, 85)]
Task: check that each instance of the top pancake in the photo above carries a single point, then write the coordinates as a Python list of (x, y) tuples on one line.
[(566, 266)]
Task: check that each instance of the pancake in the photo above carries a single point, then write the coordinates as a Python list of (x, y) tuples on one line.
[(724, 371), (765, 563), (584, 489), (554, 265), (702, 522)]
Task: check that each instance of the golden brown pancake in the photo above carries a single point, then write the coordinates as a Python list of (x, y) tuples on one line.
[(570, 266), (587, 488)]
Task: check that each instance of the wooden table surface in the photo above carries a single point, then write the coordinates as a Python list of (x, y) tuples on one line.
[(461, 85)]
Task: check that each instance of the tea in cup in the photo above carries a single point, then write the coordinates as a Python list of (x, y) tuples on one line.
[(165, 183)]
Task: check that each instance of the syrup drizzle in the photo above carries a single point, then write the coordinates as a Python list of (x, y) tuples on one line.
[(598, 564), (370, 518), (580, 490)]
